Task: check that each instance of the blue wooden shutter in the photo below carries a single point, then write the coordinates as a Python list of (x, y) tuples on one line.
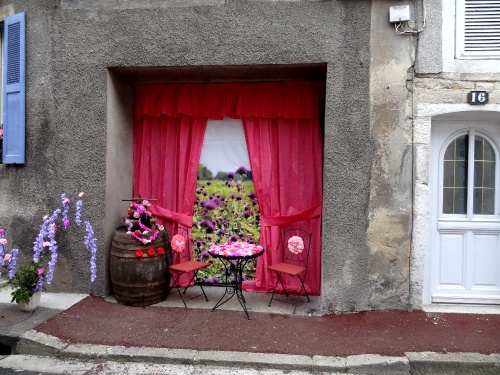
[(14, 89)]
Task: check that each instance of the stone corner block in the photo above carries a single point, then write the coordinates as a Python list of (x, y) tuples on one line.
[(37, 343), (454, 363), (377, 364), (329, 364)]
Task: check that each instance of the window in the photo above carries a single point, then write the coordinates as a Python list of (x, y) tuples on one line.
[(459, 170), (478, 29), (13, 89)]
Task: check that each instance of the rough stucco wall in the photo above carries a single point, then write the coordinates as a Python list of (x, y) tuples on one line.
[(429, 58), (33, 190), (347, 160), (390, 208), (82, 44)]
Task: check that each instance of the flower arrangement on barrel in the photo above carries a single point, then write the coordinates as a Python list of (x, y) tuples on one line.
[(141, 225), (29, 278), (225, 211)]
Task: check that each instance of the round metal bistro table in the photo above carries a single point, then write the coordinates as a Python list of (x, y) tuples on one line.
[(234, 256)]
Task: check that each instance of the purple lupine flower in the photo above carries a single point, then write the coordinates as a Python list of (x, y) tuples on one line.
[(233, 238), (231, 176), (252, 195), (42, 234), (242, 170), (78, 213), (53, 252), (2, 253), (247, 213), (12, 264), (205, 254), (39, 284), (90, 243), (65, 203)]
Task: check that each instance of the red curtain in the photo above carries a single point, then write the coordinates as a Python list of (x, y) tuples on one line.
[(286, 163), (166, 155), (282, 127)]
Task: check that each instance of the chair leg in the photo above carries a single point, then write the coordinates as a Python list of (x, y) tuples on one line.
[(274, 290), (201, 286), (275, 286), (302, 288), (175, 285)]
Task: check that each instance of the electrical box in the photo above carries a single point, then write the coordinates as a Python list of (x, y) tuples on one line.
[(399, 13)]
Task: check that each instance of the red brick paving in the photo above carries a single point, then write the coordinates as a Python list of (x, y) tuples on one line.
[(393, 332)]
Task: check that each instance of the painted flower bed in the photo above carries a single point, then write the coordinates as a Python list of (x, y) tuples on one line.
[(224, 211)]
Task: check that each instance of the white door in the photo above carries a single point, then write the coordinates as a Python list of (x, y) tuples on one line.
[(465, 215)]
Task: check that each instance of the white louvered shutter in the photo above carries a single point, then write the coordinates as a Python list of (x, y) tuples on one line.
[(478, 29)]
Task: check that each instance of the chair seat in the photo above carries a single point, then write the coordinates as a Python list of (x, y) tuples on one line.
[(189, 266), (289, 269)]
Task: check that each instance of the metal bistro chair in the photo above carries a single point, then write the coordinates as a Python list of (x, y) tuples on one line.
[(296, 246), (182, 262)]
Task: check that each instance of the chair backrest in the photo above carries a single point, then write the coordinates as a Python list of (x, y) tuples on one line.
[(180, 245), (296, 246)]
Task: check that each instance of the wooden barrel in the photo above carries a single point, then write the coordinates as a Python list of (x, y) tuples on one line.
[(138, 281)]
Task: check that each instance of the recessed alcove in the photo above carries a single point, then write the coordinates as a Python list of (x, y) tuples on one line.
[(120, 109)]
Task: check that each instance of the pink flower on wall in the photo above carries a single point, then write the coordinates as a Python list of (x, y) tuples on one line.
[(178, 243), (296, 244)]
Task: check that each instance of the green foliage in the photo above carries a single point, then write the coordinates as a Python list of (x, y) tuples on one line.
[(224, 211), (25, 281), (221, 176), (204, 173)]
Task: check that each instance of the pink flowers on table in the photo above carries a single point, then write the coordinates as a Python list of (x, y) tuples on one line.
[(295, 244), (236, 249)]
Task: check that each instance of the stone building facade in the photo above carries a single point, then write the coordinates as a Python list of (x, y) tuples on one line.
[(384, 92)]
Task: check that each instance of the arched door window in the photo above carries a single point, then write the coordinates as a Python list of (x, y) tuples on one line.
[(469, 183)]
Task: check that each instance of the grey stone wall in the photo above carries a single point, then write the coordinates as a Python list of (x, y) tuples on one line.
[(77, 110)]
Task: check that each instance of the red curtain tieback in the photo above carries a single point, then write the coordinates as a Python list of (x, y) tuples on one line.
[(269, 221), (184, 220)]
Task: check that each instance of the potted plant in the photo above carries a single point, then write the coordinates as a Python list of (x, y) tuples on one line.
[(27, 284), (28, 279)]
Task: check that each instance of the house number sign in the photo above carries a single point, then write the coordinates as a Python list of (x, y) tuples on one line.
[(477, 97)]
